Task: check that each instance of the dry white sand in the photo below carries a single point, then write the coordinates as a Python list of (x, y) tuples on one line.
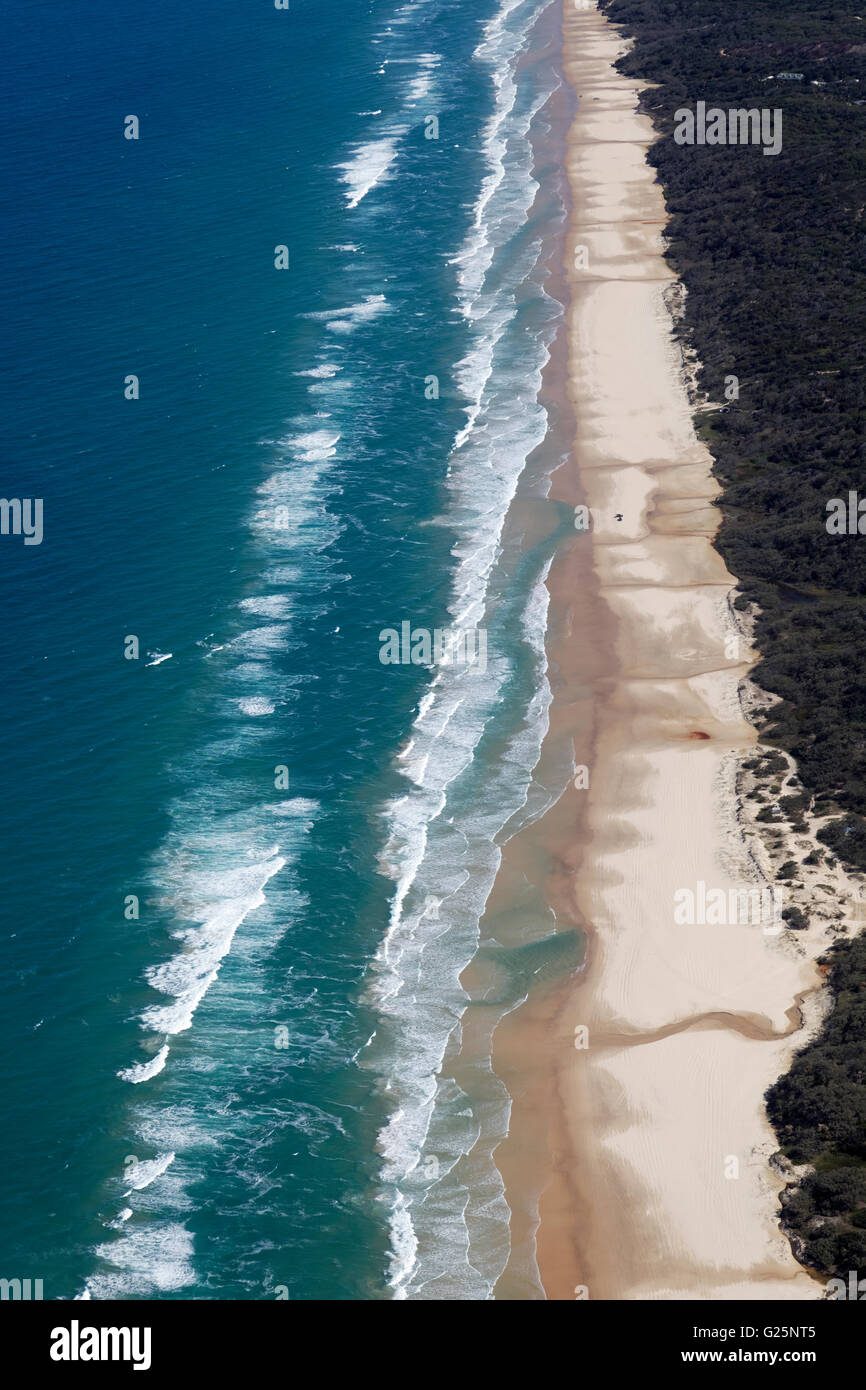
[(665, 1106)]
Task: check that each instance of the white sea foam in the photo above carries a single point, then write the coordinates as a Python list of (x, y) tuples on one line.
[(327, 369), (327, 388), (143, 1071), (409, 13), (404, 1246), (255, 706), (315, 445), (266, 605), (348, 319), (260, 641), (369, 166), (224, 900), (140, 1175), (120, 1219), (210, 882), (158, 658), (154, 1259), (420, 86)]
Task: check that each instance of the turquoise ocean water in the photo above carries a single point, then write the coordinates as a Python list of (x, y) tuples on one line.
[(243, 872)]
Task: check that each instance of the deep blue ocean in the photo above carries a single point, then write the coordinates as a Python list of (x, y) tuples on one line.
[(243, 869)]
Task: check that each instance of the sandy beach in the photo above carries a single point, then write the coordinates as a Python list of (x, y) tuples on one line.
[(638, 1164)]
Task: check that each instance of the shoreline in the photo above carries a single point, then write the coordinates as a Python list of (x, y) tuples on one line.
[(621, 1157)]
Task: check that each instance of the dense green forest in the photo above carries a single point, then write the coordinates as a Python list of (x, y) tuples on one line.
[(819, 1112), (772, 250)]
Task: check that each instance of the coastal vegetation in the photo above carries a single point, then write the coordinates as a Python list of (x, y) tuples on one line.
[(819, 1113), (772, 252)]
